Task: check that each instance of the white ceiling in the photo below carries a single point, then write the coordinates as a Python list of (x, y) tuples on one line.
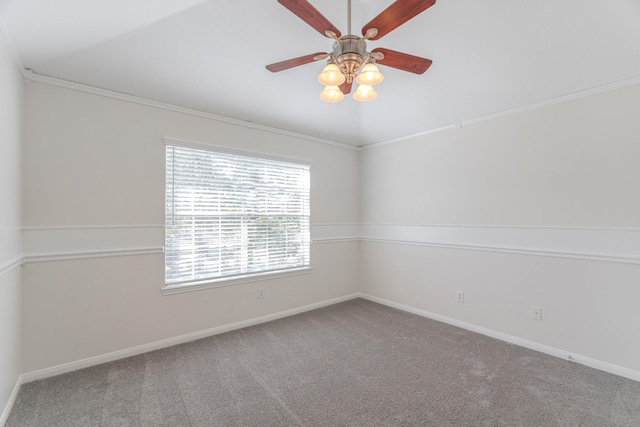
[(488, 56)]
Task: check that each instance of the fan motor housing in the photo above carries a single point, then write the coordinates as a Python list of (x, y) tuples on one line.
[(349, 52)]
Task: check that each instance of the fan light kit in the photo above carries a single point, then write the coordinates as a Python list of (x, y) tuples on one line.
[(349, 59)]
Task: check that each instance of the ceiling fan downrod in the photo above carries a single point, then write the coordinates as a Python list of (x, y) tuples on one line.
[(349, 17), (349, 52)]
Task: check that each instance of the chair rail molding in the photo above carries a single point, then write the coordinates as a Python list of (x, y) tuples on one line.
[(43, 244), (46, 244), (332, 233), (620, 245), (10, 249)]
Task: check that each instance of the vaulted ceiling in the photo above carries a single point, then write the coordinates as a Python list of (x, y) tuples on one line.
[(488, 56)]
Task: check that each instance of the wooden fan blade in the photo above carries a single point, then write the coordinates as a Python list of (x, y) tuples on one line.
[(345, 88), (403, 61), (294, 62), (395, 15), (309, 14)]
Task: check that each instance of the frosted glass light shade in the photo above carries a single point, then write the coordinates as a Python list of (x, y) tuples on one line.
[(365, 93), (331, 76), (370, 75), (331, 94)]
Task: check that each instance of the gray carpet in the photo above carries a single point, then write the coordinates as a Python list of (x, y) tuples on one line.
[(351, 364)]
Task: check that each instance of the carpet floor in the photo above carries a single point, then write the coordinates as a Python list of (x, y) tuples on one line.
[(355, 363)]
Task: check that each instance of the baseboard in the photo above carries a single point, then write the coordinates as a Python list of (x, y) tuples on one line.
[(134, 351), (12, 399), (563, 354)]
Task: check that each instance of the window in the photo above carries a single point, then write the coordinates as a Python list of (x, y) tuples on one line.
[(233, 215)]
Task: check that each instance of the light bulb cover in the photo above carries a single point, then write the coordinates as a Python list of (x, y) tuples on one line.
[(331, 94), (331, 76), (365, 93), (370, 75)]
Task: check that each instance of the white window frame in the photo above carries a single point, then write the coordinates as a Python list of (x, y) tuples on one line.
[(226, 280)]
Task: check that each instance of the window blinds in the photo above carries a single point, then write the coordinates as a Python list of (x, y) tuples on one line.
[(230, 215)]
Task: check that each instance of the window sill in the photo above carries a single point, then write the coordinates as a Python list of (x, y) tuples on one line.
[(218, 283)]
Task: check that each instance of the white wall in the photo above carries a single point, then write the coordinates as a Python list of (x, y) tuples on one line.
[(538, 208), (94, 179), (541, 208), (11, 112)]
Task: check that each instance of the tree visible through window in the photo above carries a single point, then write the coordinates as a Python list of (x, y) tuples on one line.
[(231, 215)]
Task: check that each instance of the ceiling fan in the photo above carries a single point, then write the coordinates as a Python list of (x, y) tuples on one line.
[(349, 59)]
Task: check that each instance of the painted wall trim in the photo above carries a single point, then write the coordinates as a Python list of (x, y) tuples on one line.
[(618, 245), (12, 400), (513, 111), (11, 253), (337, 240), (71, 256), (335, 232), (9, 265), (96, 227), (54, 81), (133, 351), (67, 243), (552, 351), (601, 258), (500, 226), (46, 244)]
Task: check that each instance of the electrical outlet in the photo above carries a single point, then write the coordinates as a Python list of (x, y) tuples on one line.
[(536, 313), (260, 293), (460, 296)]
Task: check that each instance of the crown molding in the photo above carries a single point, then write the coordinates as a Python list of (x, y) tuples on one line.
[(54, 81), (513, 111)]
